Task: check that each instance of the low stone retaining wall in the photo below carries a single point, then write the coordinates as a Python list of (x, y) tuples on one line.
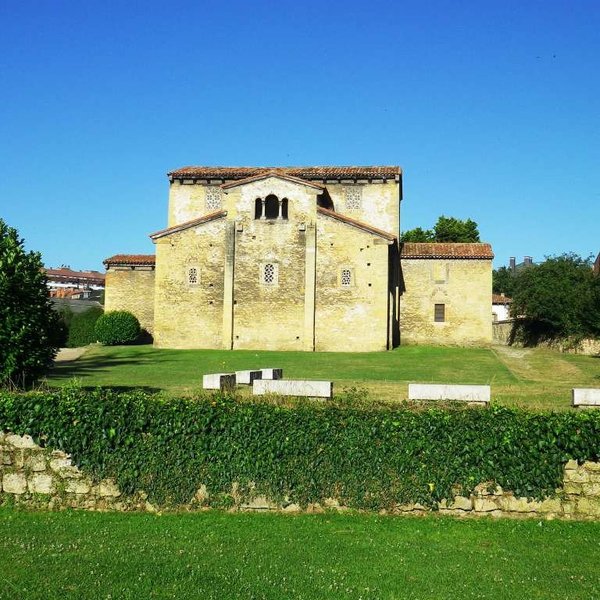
[(37, 477)]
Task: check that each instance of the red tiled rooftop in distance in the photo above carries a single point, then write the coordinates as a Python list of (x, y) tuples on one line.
[(445, 250), (340, 172), (500, 299), (131, 259), (70, 274)]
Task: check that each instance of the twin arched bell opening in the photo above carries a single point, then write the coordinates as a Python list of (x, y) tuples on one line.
[(271, 208)]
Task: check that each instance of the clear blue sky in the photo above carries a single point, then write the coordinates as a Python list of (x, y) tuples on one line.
[(492, 108)]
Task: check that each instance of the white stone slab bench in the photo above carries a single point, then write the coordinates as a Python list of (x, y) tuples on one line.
[(434, 391), (293, 387), (586, 397), (272, 373), (247, 377), (218, 381)]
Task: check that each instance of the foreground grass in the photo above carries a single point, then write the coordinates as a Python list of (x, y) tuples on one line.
[(533, 378), (274, 556)]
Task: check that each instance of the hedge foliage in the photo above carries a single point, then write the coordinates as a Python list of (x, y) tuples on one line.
[(82, 327), (367, 458), (117, 327)]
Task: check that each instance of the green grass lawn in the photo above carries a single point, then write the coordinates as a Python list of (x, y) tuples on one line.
[(535, 378), (222, 555)]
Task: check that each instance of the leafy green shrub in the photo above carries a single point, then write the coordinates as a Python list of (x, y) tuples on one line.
[(30, 331), (367, 458), (117, 327), (82, 327)]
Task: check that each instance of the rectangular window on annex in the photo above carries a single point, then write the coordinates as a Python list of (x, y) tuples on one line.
[(439, 313)]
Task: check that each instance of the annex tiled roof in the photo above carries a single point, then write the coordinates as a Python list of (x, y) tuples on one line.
[(204, 219), (359, 224), (440, 250), (131, 260), (310, 173)]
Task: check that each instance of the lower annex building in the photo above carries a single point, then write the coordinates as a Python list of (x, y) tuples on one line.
[(299, 258)]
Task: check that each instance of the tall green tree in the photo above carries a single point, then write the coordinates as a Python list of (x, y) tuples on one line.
[(446, 229), (29, 329), (503, 281), (559, 297)]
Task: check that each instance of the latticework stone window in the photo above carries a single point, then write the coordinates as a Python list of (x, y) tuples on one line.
[(213, 198), (270, 273), (353, 197), (346, 278), (193, 276)]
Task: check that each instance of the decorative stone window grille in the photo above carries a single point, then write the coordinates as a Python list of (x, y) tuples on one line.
[(353, 196), (193, 276), (439, 313), (346, 278), (270, 273), (213, 198)]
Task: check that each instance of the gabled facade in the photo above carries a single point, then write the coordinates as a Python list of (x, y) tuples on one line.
[(297, 258)]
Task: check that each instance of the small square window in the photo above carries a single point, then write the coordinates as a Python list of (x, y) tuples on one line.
[(270, 273), (353, 195), (193, 276), (213, 198), (346, 278), (439, 313)]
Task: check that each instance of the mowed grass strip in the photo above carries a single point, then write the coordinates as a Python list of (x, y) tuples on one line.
[(272, 556), (182, 370), (535, 378)]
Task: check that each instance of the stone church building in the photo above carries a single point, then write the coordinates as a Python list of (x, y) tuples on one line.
[(299, 258)]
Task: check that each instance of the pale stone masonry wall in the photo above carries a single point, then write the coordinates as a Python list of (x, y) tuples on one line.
[(464, 287), (131, 289), (43, 478)]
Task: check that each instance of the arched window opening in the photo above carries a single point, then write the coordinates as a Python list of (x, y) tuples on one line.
[(284, 208), (258, 208), (271, 207)]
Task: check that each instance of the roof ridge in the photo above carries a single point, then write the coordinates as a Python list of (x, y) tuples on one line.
[(187, 224), (356, 223)]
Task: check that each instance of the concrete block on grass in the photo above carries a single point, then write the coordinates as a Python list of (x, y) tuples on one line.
[(247, 377), (293, 387), (272, 373), (463, 393), (218, 381), (586, 397)]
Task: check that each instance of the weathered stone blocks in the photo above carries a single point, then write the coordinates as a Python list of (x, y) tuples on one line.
[(465, 393), (218, 381), (585, 397), (293, 387)]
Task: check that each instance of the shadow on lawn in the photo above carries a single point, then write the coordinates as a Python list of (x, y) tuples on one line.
[(94, 364)]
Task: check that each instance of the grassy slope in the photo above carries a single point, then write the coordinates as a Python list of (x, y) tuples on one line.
[(220, 555), (537, 378)]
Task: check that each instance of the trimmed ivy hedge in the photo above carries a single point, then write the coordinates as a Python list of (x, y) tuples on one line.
[(366, 457)]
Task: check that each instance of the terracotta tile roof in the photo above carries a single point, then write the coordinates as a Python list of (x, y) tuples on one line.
[(439, 250), (131, 260), (182, 226), (64, 273), (500, 299), (272, 173), (320, 173), (359, 224)]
